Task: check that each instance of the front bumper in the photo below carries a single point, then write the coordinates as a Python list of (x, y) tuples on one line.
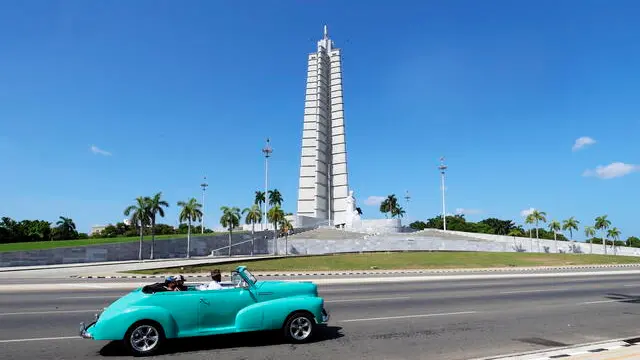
[(325, 316), (83, 330)]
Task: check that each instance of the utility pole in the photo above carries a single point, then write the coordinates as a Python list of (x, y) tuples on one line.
[(267, 151), (442, 168), (204, 187), (407, 197)]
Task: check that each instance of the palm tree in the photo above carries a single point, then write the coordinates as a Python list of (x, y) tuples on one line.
[(139, 217), (389, 205), (590, 232), (538, 216), (253, 216), (286, 225), (230, 219), (601, 223), (259, 198), (155, 208), (275, 216), (554, 226), (614, 234), (530, 220), (570, 224), (398, 211), (275, 198), (66, 228), (190, 213)]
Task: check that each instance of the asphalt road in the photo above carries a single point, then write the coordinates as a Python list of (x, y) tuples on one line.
[(433, 320)]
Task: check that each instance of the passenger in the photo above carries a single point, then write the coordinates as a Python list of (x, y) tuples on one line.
[(167, 285), (179, 280), (215, 284)]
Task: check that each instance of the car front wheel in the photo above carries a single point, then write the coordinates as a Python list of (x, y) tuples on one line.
[(299, 327), (144, 338)]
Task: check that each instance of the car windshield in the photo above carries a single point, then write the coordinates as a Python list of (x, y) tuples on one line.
[(250, 276)]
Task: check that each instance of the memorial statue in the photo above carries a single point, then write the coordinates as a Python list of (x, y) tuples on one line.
[(352, 212)]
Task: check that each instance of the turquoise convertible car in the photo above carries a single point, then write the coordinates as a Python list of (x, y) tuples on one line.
[(144, 320)]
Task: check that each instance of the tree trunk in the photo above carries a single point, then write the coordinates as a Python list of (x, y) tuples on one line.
[(604, 243), (153, 235), (141, 237), (555, 239), (286, 242), (230, 234), (189, 239), (253, 226), (275, 238)]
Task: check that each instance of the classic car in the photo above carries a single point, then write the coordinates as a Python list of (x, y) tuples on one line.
[(144, 320)]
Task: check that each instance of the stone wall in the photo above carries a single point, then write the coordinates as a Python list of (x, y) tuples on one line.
[(437, 242), (164, 249)]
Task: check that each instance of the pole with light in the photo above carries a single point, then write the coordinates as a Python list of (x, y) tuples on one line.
[(442, 168), (204, 187), (407, 197), (267, 150)]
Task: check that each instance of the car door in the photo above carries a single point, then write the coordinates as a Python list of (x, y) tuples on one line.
[(218, 308), (182, 306)]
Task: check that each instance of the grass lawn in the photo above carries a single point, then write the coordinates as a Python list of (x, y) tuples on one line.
[(406, 260), (40, 245)]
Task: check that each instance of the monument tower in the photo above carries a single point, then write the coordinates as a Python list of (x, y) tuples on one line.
[(323, 185)]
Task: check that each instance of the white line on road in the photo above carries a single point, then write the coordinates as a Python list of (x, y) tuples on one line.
[(409, 316), (632, 285), (531, 291), (48, 312), (598, 302), (41, 339), (368, 299), (88, 297), (91, 286)]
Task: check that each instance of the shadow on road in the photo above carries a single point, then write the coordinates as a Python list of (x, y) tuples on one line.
[(255, 339), (630, 299)]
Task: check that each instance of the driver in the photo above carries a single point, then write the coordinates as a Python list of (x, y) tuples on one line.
[(215, 284)]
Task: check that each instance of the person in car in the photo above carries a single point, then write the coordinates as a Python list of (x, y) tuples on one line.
[(215, 284), (179, 283), (169, 284)]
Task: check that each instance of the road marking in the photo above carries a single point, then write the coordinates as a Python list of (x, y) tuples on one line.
[(632, 285), (598, 302), (41, 339), (531, 291), (49, 312), (368, 299), (88, 297), (91, 286), (409, 316)]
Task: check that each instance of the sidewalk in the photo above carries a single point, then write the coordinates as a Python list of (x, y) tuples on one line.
[(626, 349), (115, 268)]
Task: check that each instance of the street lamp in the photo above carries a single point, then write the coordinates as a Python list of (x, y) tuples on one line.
[(267, 150), (204, 187), (442, 168), (407, 197)]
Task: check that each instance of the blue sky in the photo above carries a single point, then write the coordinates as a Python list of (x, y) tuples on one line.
[(173, 91)]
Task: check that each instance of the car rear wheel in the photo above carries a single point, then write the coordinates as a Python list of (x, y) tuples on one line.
[(299, 327), (144, 338)]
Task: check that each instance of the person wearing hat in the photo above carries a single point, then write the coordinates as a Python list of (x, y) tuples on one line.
[(179, 283)]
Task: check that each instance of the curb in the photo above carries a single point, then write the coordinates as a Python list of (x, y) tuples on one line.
[(569, 351), (376, 272)]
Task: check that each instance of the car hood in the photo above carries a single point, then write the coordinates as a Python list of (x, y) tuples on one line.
[(277, 289)]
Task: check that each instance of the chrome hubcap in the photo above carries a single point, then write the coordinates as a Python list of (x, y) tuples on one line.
[(300, 328), (144, 338)]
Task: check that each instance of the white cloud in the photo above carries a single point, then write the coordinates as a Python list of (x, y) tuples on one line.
[(613, 170), (468, 211), (374, 200), (526, 212), (582, 142), (97, 150)]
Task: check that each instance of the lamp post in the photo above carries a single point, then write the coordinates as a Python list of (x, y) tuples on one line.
[(442, 168), (407, 197), (267, 150), (204, 187)]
